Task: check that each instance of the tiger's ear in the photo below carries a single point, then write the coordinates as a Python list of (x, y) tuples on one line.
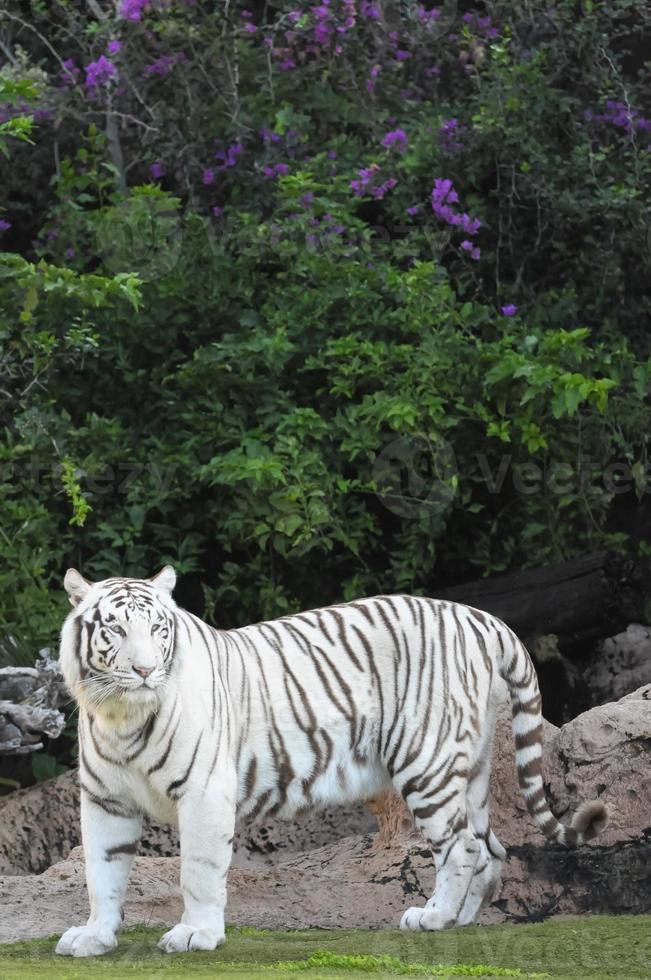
[(76, 586), (165, 580)]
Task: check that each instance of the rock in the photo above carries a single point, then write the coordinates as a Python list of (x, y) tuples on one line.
[(345, 884), (606, 753), (621, 665), (40, 825)]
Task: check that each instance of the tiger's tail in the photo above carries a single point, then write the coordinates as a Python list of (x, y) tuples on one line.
[(516, 668)]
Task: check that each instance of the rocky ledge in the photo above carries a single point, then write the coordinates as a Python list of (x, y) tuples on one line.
[(332, 871)]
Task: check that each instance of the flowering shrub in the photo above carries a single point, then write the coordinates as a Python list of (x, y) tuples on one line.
[(359, 232)]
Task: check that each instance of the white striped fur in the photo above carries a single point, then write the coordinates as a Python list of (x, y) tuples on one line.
[(194, 725)]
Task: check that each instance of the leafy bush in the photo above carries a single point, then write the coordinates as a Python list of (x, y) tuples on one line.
[(319, 300)]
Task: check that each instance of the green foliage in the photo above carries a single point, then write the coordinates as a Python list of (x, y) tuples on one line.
[(20, 127), (295, 392), (49, 317), (45, 766)]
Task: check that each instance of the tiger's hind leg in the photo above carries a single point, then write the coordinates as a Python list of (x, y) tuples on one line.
[(456, 852), (488, 872)]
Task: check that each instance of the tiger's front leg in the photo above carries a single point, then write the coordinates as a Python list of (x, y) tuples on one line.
[(110, 835), (206, 827)]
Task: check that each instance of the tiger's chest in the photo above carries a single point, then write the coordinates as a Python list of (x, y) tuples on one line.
[(151, 798)]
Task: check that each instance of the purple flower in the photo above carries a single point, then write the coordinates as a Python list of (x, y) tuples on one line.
[(322, 33), (157, 170), (470, 225), (217, 211), (443, 197), (443, 187), (70, 253), (482, 25), (132, 9), (397, 138), (161, 66), (228, 157), (366, 183), (100, 72), (379, 191), (365, 175), (113, 47), (621, 115), (402, 55), (250, 28), (275, 170), (413, 210), (425, 16), (269, 136), (509, 310), (449, 132), (208, 176), (4, 224), (70, 73)]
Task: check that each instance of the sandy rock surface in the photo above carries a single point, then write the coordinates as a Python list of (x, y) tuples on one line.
[(333, 870), (350, 883)]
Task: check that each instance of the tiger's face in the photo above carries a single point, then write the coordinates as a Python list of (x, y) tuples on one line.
[(118, 643)]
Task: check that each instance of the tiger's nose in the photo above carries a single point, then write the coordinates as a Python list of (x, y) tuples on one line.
[(143, 671)]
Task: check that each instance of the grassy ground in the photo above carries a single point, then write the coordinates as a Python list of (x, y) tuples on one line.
[(595, 947)]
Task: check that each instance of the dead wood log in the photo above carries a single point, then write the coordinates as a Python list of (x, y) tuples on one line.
[(579, 601), (30, 699)]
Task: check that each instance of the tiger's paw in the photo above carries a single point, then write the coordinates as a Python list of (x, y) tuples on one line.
[(416, 919), (90, 940), (183, 939)]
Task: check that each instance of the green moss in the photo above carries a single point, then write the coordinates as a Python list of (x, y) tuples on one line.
[(595, 947), (391, 964)]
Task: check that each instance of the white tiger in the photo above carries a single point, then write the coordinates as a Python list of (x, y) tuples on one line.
[(195, 725)]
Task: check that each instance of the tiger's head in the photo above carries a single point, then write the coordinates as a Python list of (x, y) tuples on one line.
[(118, 642)]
